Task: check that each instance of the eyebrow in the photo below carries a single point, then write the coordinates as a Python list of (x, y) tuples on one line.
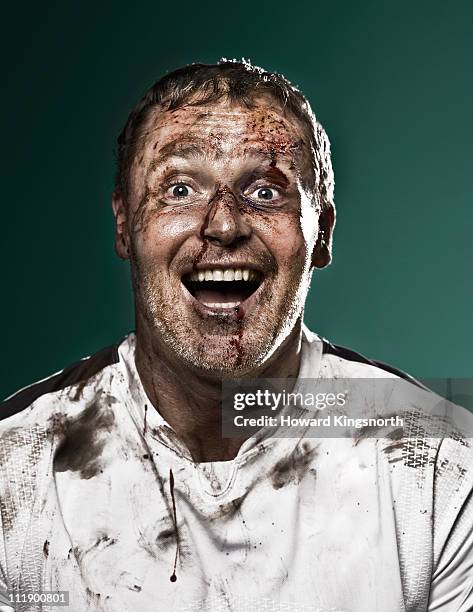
[(185, 148), (194, 147)]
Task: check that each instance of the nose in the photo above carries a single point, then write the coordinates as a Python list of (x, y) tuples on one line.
[(225, 224)]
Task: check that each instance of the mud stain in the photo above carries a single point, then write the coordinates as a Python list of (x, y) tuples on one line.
[(374, 431), (293, 468), (229, 510), (83, 440), (414, 447), (104, 541), (9, 511), (415, 453), (91, 596), (166, 538)]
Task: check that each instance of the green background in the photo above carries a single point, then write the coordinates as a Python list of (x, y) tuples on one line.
[(390, 81)]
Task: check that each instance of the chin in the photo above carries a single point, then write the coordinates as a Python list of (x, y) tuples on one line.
[(234, 355), (221, 357)]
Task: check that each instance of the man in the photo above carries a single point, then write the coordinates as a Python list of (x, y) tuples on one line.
[(117, 484)]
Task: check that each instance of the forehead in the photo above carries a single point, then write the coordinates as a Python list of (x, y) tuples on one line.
[(222, 129)]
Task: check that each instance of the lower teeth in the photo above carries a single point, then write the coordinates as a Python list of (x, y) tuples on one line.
[(221, 304)]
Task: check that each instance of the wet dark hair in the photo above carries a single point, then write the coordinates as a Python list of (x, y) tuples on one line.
[(239, 82)]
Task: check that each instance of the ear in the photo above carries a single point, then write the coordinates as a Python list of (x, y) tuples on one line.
[(122, 241), (322, 254)]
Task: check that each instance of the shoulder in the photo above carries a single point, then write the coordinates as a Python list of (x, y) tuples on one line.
[(453, 481), (336, 361), (350, 363), (50, 420), (61, 392), (436, 432)]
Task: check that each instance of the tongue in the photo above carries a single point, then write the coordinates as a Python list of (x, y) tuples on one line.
[(214, 296), (222, 292)]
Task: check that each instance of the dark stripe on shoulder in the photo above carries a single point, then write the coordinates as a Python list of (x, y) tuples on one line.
[(345, 353), (76, 374)]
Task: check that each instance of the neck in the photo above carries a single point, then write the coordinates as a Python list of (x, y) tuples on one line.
[(190, 401)]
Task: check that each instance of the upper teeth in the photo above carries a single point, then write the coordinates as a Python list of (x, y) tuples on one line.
[(228, 274)]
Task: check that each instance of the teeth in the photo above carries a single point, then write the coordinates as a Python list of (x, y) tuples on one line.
[(221, 304), (229, 274)]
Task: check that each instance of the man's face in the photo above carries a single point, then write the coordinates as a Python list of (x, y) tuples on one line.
[(220, 227)]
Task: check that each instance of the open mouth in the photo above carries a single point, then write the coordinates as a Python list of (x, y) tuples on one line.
[(222, 288)]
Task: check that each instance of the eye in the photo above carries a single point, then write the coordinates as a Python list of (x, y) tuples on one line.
[(180, 190), (264, 193)]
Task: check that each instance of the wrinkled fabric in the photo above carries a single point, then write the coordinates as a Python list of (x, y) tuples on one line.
[(100, 498)]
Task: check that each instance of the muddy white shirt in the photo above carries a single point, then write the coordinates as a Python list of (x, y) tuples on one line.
[(100, 499)]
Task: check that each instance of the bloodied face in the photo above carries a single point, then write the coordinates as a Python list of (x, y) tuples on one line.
[(220, 224)]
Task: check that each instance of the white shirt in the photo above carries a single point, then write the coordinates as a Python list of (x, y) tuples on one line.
[(310, 524)]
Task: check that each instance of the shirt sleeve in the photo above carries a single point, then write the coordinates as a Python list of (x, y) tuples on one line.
[(4, 607), (452, 580)]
